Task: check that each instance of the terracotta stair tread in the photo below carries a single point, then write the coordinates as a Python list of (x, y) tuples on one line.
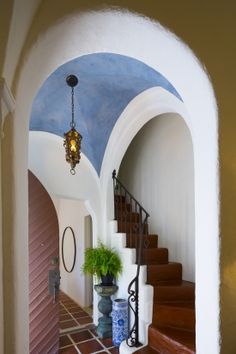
[(164, 272), (123, 205), (185, 283), (120, 198), (173, 282), (130, 226), (151, 241), (189, 305), (175, 315), (170, 340), (153, 235), (147, 350), (155, 256), (174, 292), (126, 215)]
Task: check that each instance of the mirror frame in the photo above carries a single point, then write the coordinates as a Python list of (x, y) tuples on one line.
[(62, 249)]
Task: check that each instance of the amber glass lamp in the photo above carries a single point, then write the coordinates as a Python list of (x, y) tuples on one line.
[(72, 139)]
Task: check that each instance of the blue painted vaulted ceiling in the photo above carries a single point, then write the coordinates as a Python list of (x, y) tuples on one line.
[(107, 83)]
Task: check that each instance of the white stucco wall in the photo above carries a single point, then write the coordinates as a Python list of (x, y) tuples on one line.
[(72, 213), (47, 162), (158, 170)]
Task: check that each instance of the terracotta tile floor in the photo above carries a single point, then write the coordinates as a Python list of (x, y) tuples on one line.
[(77, 332), (85, 341), (72, 316)]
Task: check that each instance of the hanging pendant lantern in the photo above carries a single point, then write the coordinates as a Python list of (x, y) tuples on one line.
[(72, 141)]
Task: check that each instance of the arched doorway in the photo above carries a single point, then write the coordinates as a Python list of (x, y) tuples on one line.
[(44, 276), (57, 288)]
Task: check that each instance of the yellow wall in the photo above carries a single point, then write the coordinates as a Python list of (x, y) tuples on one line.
[(5, 19), (209, 28)]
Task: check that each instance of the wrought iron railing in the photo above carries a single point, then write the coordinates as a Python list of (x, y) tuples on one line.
[(132, 220)]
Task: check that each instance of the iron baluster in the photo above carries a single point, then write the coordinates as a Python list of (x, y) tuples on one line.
[(138, 217)]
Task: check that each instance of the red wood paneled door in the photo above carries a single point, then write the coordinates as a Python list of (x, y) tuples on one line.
[(43, 259)]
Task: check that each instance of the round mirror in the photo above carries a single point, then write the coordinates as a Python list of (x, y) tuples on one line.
[(68, 249)]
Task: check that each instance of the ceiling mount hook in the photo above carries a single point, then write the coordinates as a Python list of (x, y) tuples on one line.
[(72, 80)]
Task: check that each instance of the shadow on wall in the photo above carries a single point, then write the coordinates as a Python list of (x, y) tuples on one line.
[(158, 169), (74, 213)]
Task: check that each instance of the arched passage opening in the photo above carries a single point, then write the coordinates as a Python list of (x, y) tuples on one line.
[(144, 107), (198, 102), (74, 200)]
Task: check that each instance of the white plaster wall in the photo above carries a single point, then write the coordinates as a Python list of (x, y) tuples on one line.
[(72, 213), (47, 162), (127, 34), (158, 170)]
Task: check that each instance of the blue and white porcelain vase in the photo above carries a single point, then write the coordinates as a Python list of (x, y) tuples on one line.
[(119, 321)]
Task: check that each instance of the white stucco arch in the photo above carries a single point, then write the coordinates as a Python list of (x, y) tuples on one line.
[(141, 109), (126, 33), (147, 105)]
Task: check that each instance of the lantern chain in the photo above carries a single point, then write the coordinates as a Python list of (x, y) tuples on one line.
[(72, 108)]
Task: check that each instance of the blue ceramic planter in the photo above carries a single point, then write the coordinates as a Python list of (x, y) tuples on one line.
[(119, 321)]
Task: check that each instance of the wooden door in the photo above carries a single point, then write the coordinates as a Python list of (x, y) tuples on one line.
[(43, 257)]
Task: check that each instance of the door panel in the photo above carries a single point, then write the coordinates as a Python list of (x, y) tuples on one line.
[(43, 248)]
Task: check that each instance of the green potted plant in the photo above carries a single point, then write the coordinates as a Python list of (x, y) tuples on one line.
[(102, 261)]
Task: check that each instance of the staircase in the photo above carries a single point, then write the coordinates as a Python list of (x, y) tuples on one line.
[(173, 324)]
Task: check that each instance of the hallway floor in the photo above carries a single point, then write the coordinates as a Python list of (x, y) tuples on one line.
[(77, 332), (85, 341), (72, 316)]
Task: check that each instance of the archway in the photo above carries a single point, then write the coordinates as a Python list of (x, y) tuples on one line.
[(144, 107), (74, 199), (198, 102)]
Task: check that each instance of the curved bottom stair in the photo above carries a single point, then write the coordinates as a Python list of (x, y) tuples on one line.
[(173, 324), (168, 341)]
